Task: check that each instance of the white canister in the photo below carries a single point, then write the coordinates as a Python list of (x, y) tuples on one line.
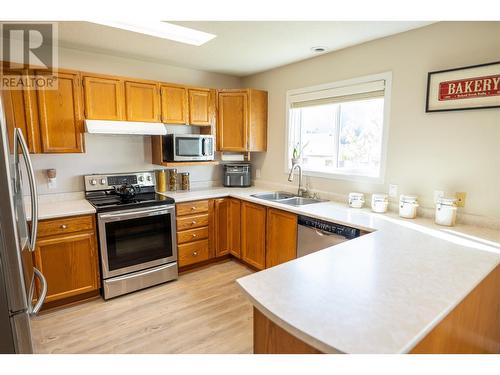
[(356, 200), (380, 202), (408, 206), (446, 211)]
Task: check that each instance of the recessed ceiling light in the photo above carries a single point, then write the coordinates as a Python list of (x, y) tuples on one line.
[(318, 49), (163, 30)]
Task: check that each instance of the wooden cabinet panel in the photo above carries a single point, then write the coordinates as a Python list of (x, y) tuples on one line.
[(192, 235), (193, 221), (193, 252), (21, 111), (174, 105), (190, 208), (253, 234), (281, 238), (201, 107), (104, 99), (235, 227), (233, 121), (257, 132), (69, 263), (60, 114), (222, 230), (142, 101), (65, 225)]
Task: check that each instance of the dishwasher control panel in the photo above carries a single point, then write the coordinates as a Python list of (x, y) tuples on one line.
[(326, 226)]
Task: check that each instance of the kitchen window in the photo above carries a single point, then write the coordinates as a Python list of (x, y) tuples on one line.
[(340, 129)]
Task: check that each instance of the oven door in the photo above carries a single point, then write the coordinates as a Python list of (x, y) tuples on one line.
[(193, 147), (136, 239)]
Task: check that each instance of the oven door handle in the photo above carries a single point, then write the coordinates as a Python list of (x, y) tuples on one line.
[(135, 214)]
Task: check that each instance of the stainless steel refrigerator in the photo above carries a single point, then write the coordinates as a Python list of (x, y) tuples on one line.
[(17, 242)]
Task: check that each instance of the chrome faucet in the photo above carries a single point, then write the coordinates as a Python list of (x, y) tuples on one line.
[(302, 191)]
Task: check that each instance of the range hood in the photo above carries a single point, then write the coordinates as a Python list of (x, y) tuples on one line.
[(124, 127)]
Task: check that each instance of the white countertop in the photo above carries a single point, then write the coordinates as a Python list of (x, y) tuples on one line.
[(52, 206), (379, 293)]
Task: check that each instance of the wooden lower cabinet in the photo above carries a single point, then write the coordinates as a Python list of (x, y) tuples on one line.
[(227, 227), (69, 261), (253, 234), (281, 237)]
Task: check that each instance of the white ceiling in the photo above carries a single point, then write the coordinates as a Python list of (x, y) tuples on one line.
[(240, 48)]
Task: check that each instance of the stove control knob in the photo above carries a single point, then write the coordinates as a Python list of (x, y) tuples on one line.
[(103, 181), (148, 177), (141, 178), (93, 182)]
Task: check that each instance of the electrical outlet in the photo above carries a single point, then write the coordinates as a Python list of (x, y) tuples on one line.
[(461, 195), (393, 191), (257, 173), (438, 194)]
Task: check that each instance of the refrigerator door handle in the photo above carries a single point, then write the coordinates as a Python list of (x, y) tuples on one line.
[(41, 299), (19, 138)]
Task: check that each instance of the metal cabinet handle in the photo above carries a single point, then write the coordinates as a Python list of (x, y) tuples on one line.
[(195, 253), (41, 299), (193, 222), (193, 208), (194, 235), (64, 226), (19, 138)]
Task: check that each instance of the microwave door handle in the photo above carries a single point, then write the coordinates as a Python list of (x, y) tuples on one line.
[(204, 146), (19, 138), (41, 299)]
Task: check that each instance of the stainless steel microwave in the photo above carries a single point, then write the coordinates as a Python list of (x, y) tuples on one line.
[(185, 147)]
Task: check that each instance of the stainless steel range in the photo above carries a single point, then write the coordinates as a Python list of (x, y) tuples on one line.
[(136, 229)]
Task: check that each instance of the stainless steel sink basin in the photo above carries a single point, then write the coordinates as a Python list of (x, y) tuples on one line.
[(299, 201), (275, 196), (286, 198)]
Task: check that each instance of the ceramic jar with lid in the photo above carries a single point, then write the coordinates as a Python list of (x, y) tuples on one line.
[(356, 200), (408, 205), (446, 211), (380, 202)]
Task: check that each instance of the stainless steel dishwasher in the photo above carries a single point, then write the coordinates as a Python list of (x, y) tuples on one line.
[(314, 234)]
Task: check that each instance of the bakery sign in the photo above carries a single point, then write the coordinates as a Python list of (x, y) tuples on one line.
[(470, 87)]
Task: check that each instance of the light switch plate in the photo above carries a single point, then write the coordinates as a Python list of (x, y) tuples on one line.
[(257, 173), (438, 194), (461, 195), (393, 191)]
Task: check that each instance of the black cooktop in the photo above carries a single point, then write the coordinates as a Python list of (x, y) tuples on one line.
[(108, 200)]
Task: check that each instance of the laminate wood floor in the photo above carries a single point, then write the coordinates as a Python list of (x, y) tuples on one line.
[(202, 312)]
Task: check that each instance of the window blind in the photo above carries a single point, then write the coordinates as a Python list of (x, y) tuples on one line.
[(366, 90)]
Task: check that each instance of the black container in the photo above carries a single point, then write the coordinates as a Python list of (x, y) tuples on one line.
[(237, 175)]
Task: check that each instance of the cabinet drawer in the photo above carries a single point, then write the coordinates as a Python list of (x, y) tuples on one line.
[(191, 222), (192, 235), (190, 208), (193, 252), (65, 225)]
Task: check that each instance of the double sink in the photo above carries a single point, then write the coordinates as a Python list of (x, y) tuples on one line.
[(286, 198)]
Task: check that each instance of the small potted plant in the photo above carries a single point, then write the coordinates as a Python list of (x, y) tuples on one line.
[(297, 153)]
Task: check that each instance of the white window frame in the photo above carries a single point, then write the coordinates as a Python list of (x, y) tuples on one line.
[(348, 175)]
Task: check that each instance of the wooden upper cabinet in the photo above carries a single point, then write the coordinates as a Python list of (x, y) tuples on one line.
[(201, 107), (60, 115), (233, 121), (21, 111), (174, 105), (242, 123), (142, 101), (281, 237), (104, 99), (253, 234)]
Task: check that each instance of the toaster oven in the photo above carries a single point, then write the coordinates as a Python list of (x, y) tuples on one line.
[(237, 175)]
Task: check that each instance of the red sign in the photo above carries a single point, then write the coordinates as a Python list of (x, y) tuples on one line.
[(470, 88)]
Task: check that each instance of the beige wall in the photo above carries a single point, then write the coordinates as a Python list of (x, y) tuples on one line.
[(454, 151), (110, 153)]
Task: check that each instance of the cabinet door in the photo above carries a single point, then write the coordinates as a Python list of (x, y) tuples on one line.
[(142, 101), (104, 98), (222, 222), (253, 234), (69, 263), (232, 127), (60, 114), (174, 105), (235, 227), (281, 241), (200, 107), (21, 111)]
